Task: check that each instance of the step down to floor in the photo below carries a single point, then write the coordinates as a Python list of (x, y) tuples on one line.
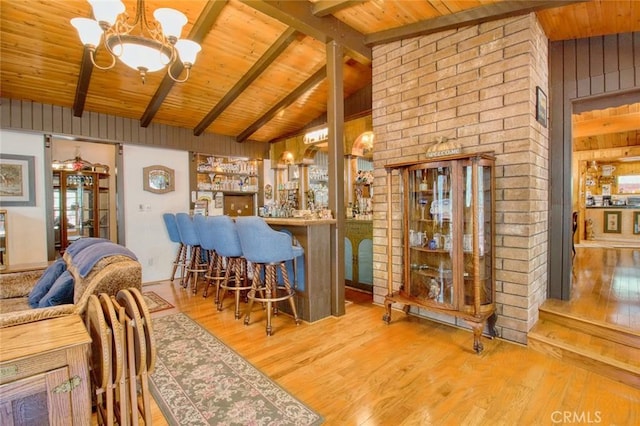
[(611, 351)]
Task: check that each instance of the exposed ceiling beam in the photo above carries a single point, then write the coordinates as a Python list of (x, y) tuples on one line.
[(198, 32), (284, 103), (256, 70), (299, 15), (86, 68), (477, 15), (327, 7)]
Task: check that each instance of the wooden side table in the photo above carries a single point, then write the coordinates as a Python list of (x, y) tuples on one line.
[(44, 373)]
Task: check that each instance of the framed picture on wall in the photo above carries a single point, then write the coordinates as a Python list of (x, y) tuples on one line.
[(158, 179), (17, 180), (541, 106), (612, 222)]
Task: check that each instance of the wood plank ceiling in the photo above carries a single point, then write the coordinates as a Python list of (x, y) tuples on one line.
[(261, 72)]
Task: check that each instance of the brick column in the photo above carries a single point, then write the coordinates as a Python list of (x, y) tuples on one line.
[(477, 85)]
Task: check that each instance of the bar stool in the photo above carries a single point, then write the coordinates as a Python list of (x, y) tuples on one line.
[(224, 235), (204, 228), (190, 238), (174, 236), (268, 251)]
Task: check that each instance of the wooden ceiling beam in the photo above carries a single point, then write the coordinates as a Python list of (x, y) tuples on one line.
[(82, 87), (198, 32), (477, 15), (327, 7), (316, 78), (299, 15), (285, 39)]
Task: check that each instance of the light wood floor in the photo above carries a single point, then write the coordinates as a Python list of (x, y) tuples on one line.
[(356, 370), (605, 287)]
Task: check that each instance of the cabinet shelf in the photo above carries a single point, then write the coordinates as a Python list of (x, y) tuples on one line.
[(232, 182), (428, 250), (434, 273), (436, 279)]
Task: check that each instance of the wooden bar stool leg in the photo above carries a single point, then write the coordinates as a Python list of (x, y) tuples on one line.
[(225, 282), (255, 285), (239, 282), (270, 292), (290, 291), (179, 261), (209, 277)]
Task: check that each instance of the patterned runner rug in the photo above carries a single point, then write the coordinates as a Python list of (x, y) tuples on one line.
[(154, 302), (198, 380)]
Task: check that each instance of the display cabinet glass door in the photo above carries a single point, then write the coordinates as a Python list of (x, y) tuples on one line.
[(430, 233), (3, 239), (80, 206), (103, 206), (476, 242)]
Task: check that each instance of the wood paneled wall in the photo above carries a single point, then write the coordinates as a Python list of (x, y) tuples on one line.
[(597, 70), (32, 116), (57, 120)]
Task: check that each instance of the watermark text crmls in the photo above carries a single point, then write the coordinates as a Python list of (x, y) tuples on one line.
[(576, 417)]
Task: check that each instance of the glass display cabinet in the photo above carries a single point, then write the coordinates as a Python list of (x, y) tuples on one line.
[(3, 240), (447, 209), (80, 206)]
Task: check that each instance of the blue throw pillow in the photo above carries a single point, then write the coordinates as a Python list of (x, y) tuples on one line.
[(45, 282), (60, 293)]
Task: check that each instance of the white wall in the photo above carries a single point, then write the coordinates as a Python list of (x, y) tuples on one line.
[(145, 232), (26, 226)]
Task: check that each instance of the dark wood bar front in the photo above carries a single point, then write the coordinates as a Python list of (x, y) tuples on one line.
[(313, 297)]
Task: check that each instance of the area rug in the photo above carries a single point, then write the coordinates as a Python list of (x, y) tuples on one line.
[(198, 380), (154, 302)]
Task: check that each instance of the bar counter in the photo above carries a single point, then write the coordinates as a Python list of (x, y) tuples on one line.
[(313, 296)]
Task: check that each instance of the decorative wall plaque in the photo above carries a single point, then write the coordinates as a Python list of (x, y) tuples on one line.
[(158, 179)]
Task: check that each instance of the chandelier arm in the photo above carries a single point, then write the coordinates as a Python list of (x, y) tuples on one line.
[(154, 30), (174, 55), (177, 80), (92, 52)]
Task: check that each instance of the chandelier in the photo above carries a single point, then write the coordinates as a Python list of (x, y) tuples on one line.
[(154, 46)]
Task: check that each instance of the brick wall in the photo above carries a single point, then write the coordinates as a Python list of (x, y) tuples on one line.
[(477, 85)]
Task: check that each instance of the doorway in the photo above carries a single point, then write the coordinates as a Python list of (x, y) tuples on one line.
[(82, 193), (606, 175), (605, 204)]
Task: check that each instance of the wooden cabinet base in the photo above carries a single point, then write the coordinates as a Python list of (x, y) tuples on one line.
[(45, 373), (477, 323)]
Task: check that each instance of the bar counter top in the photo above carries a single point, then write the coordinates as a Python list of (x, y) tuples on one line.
[(295, 221)]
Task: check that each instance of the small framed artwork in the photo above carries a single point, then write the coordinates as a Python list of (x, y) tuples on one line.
[(158, 179), (541, 106), (17, 180), (636, 223), (612, 222)]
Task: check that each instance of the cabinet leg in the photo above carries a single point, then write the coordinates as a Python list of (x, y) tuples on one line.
[(387, 315), (491, 322), (477, 338)]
